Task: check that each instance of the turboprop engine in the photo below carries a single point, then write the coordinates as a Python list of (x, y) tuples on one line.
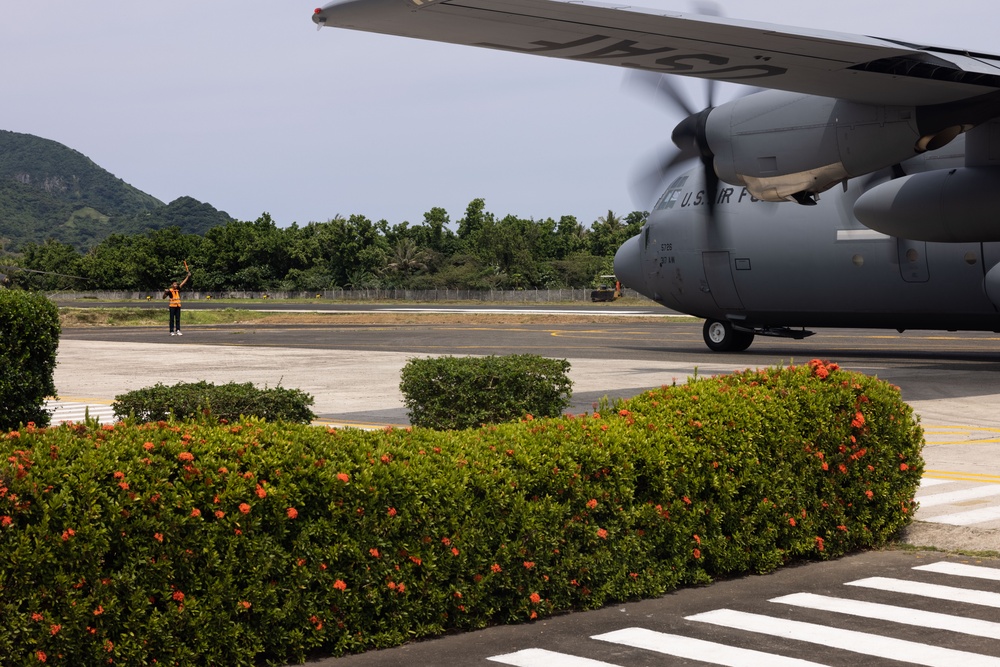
[(788, 146)]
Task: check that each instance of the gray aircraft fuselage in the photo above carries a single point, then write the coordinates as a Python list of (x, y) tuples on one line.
[(763, 265)]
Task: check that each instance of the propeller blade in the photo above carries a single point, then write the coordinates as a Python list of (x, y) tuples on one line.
[(648, 182), (662, 87)]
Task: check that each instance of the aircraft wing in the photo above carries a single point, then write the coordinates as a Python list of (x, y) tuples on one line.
[(862, 69)]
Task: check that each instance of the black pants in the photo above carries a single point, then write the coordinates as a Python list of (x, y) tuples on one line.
[(175, 318)]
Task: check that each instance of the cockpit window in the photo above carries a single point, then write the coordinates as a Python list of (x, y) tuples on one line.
[(671, 195)]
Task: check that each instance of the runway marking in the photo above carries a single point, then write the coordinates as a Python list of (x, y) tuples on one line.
[(935, 591), (72, 411), (961, 570), (857, 642), (954, 497), (846, 640), (885, 612), (968, 518), (537, 657), (689, 648), (943, 476)]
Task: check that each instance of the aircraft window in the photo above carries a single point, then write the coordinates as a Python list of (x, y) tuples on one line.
[(669, 198)]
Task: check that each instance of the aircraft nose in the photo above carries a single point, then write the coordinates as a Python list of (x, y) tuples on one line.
[(628, 264)]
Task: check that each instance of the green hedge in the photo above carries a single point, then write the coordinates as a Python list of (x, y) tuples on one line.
[(253, 543), (467, 392), (29, 336), (187, 400)]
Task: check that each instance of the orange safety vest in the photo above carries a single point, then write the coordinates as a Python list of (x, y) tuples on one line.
[(175, 297)]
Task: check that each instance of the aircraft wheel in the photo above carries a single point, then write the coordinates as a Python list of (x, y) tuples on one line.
[(722, 337)]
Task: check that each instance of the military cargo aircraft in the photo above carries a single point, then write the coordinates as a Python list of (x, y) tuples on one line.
[(859, 187)]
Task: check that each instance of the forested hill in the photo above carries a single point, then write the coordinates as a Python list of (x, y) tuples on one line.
[(50, 191)]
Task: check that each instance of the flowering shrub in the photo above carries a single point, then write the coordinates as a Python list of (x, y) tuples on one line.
[(29, 336), (467, 392), (230, 401), (258, 543)]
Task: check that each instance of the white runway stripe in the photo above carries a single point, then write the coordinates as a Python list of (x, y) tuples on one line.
[(950, 497), (926, 483), (71, 411), (967, 518), (935, 591), (847, 640), (885, 612), (537, 657), (961, 570), (700, 650)]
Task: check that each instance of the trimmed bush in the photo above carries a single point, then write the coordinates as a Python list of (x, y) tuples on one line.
[(257, 543), (29, 336), (223, 402), (466, 392)]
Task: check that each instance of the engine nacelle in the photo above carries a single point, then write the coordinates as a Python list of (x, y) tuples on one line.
[(947, 206), (788, 146)]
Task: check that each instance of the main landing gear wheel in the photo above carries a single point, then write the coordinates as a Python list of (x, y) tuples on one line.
[(722, 337)]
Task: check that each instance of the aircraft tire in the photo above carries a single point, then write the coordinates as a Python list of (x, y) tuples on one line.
[(720, 336)]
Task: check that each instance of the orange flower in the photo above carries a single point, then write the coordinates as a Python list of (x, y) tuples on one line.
[(340, 585), (244, 508), (601, 533), (99, 610), (261, 493), (343, 477), (37, 617), (5, 521), (55, 628), (148, 446), (592, 503), (219, 514), (791, 522), (696, 553), (41, 656), (454, 551), (245, 604), (903, 466), (496, 567), (391, 511), (178, 596), (535, 598), (869, 494), (158, 537), (292, 512), (374, 552), (195, 512), (528, 564), (187, 457)]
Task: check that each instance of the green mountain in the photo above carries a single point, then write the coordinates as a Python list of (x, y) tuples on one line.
[(48, 190)]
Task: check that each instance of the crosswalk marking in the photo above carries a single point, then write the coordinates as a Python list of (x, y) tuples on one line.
[(698, 649), (864, 643), (885, 612), (961, 570), (847, 640), (536, 657), (936, 591), (76, 411), (927, 482), (950, 497), (966, 518)]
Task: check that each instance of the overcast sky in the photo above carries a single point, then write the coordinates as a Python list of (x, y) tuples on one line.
[(246, 106)]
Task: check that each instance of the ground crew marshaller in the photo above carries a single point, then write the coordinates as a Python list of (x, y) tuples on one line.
[(174, 294)]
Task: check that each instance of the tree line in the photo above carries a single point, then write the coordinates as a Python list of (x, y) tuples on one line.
[(484, 252)]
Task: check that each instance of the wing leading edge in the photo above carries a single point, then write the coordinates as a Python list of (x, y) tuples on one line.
[(857, 68)]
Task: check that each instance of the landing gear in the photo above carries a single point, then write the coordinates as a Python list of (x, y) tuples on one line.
[(723, 337)]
